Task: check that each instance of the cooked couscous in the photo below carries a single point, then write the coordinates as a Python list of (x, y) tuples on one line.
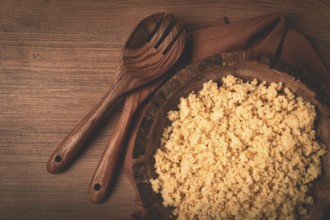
[(244, 150)]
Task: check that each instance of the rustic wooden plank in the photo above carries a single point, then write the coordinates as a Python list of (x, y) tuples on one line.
[(56, 54)]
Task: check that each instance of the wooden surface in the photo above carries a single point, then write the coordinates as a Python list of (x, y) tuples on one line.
[(57, 59)]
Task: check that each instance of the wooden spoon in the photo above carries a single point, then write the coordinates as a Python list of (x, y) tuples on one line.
[(152, 48)]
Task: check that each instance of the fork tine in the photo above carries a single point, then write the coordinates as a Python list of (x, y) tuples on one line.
[(166, 32), (176, 32), (155, 24), (167, 18)]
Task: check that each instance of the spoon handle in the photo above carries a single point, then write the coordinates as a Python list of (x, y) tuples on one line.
[(104, 175), (70, 146)]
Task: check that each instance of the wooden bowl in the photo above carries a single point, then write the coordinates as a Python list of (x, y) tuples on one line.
[(243, 65)]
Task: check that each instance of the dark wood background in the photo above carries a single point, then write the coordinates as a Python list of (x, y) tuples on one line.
[(57, 58)]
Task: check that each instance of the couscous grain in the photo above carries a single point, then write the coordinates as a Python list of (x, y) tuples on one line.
[(245, 150)]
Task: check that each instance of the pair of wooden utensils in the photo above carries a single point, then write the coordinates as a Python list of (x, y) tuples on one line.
[(153, 47)]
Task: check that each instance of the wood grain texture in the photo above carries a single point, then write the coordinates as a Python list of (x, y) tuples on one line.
[(57, 59)]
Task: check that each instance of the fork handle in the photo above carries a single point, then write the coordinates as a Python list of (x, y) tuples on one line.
[(70, 146), (104, 175), (105, 171)]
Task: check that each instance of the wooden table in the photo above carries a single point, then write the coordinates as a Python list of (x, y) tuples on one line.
[(57, 58)]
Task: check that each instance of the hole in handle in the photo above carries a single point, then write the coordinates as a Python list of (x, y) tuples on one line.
[(58, 158), (97, 187)]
